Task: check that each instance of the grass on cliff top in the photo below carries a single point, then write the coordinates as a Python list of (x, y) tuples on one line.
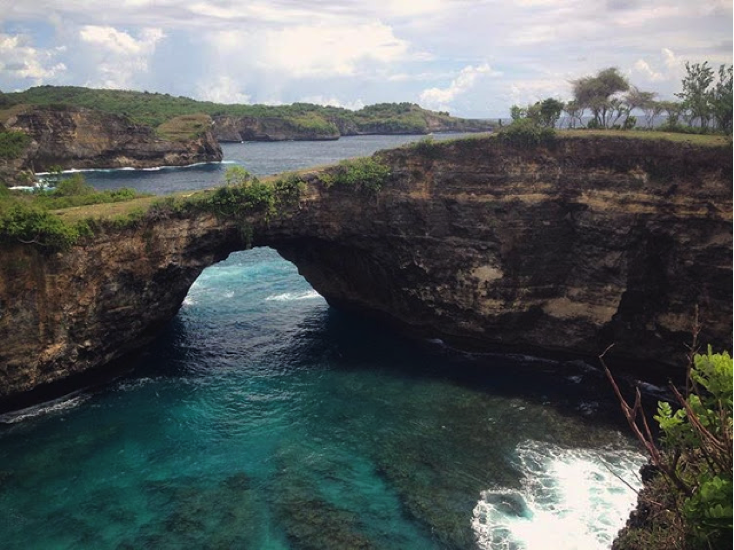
[(105, 211), (708, 140), (184, 127)]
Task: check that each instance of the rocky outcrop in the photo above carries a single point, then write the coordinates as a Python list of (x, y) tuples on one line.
[(233, 128), (73, 137), (565, 248), (228, 128)]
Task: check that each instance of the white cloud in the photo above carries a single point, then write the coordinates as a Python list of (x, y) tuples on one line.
[(333, 102), (525, 92), (352, 50), (20, 60), (119, 57), (326, 50), (441, 98), (223, 89), (641, 66)]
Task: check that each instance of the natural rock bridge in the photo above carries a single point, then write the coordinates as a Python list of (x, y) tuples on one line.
[(563, 248)]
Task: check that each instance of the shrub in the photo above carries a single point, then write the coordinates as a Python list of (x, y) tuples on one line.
[(288, 189), (32, 225), (13, 143), (74, 186), (235, 200), (695, 454), (525, 133), (361, 173)]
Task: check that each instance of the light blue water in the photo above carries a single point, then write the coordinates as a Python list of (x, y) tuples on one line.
[(263, 419)]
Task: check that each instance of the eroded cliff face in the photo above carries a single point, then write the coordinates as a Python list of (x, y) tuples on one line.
[(236, 129), (569, 249), (72, 137), (565, 248), (228, 128)]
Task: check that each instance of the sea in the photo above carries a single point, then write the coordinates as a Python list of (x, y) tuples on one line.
[(263, 419)]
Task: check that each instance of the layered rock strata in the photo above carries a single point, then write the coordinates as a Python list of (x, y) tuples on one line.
[(74, 137), (562, 248)]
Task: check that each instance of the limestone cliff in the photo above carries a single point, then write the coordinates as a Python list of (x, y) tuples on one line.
[(74, 137), (229, 128), (247, 128), (564, 248)]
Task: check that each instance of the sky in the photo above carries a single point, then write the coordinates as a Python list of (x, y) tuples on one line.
[(473, 58)]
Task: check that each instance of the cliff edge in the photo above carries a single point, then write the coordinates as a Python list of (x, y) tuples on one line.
[(75, 137)]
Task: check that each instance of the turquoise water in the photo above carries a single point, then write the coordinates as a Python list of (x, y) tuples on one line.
[(263, 419)]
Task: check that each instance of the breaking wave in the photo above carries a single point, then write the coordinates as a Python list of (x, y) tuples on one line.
[(570, 499)]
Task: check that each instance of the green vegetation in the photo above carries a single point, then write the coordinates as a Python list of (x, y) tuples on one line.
[(691, 497), (184, 127), (29, 217), (155, 110), (526, 133), (13, 143), (361, 173), (610, 99)]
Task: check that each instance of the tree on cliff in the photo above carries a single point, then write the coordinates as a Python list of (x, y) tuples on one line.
[(595, 93), (542, 113)]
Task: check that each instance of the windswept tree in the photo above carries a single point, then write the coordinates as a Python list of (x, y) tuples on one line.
[(643, 101), (549, 111), (517, 112), (673, 111), (721, 99), (575, 112), (695, 94), (595, 93), (541, 113)]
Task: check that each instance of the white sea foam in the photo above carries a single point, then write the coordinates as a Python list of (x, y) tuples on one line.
[(291, 296), (570, 499), (127, 168), (57, 405), (23, 188)]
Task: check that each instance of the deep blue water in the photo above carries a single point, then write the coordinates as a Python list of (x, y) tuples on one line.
[(260, 158), (263, 419)]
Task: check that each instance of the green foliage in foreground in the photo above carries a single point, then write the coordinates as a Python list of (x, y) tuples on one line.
[(687, 505), (700, 434), (13, 143)]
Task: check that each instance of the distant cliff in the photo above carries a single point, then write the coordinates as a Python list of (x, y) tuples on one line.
[(248, 128), (245, 122), (74, 137), (560, 248), (332, 126)]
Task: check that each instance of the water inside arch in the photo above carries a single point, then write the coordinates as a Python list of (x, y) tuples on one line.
[(264, 419)]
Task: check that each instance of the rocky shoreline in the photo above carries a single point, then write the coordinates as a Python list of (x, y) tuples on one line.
[(79, 138)]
